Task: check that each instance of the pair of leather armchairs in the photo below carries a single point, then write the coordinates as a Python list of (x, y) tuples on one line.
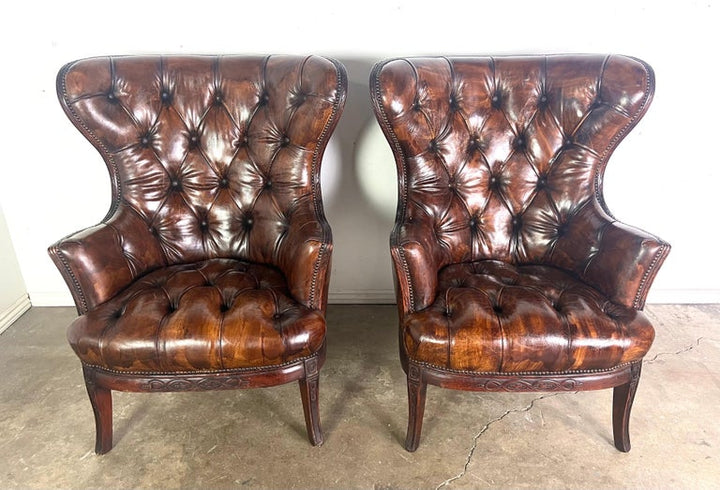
[(211, 269)]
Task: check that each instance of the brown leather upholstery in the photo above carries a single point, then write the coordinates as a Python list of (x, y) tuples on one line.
[(215, 255), (507, 261)]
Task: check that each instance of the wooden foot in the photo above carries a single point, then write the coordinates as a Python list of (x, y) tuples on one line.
[(101, 401), (417, 390), (623, 397), (309, 386)]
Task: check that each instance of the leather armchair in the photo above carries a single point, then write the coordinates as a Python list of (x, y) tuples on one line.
[(211, 269), (511, 273)]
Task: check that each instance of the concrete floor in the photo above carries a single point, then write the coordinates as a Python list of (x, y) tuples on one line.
[(256, 438)]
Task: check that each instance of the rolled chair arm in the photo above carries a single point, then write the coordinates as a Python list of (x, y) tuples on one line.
[(626, 264), (100, 261), (417, 258), (304, 257), (617, 259)]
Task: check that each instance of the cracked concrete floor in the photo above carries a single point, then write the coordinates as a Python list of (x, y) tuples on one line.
[(256, 438)]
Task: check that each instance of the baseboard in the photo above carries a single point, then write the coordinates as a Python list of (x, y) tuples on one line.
[(49, 298), (387, 296), (14, 311), (684, 296), (362, 297)]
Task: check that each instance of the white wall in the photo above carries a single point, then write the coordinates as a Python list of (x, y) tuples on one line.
[(13, 296), (662, 177)]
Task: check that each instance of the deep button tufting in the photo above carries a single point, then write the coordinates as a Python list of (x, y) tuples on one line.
[(567, 143), (285, 329), (218, 98), (495, 100), (433, 146), (145, 139), (453, 102), (112, 98), (263, 99), (519, 142), (561, 230), (242, 142), (193, 139), (416, 105), (175, 184), (298, 99), (542, 182), (284, 141), (495, 182), (165, 97), (595, 343), (267, 184)]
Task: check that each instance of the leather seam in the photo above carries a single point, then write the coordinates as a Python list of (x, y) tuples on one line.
[(399, 155), (649, 82), (104, 150), (316, 273), (322, 143), (638, 302), (200, 371), (522, 373), (78, 289)]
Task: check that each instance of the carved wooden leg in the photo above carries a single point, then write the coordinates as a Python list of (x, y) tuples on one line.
[(311, 406), (101, 401), (623, 397), (417, 389)]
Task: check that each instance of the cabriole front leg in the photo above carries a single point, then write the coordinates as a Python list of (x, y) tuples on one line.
[(101, 401), (623, 397)]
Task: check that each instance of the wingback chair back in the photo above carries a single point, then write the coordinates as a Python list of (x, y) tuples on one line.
[(506, 258), (215, 254), (208, 157)]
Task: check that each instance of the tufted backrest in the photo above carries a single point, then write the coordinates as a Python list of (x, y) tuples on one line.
[(503, 157), (208, 157)]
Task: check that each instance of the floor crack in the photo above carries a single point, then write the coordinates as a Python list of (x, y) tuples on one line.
[(685, 349), (485, 428)]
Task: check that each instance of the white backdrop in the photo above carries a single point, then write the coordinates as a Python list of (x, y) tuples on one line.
[(663, 177)]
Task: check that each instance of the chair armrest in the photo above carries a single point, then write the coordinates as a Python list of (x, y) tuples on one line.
[(305, 257), (417, 259), (626, 264), (100, 261), (619, 260)]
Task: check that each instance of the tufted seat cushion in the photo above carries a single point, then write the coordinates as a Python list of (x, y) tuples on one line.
[(491, 316), (217, 314)]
